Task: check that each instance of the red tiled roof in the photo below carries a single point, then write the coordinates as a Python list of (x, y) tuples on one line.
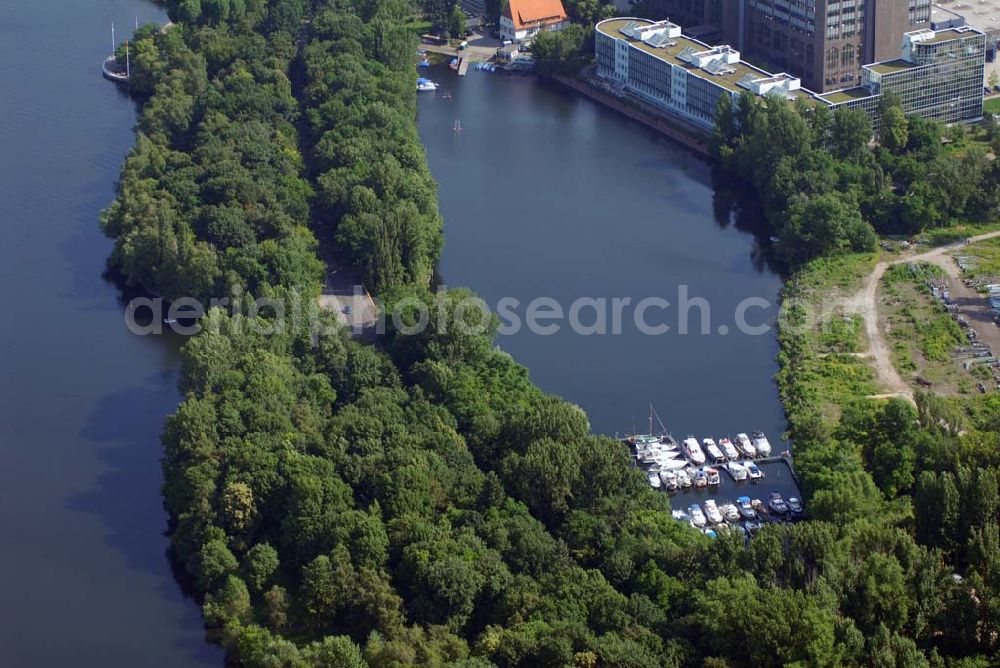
[(528, 13)]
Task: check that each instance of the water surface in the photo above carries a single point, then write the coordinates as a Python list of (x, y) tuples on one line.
[(86, 580), (545, 193)]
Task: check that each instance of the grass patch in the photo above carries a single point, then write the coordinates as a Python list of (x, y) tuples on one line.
[(987, 254), (991, 106), (922, 332)]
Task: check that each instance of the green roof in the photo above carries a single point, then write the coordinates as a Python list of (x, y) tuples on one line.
[(890, 66), (846, 95)]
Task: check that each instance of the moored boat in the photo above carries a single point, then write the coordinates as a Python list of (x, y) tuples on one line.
[(713, 475), (730, 512), (745, 508), (753, 471), (693, 451), (712, 512), (426, 84), (683, 479), (669, 479), (761, 443), (794, 506), (777, 505), (700, 478), (654, 479), (728, 449), (713, 450), (697, 517), (745, 445), (737, 470)]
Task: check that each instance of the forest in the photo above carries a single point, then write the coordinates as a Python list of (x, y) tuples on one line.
[(827, 188), (419, 501)]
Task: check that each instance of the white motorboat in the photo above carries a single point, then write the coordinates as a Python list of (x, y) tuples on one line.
[(737, 470), (672, 464), (714, 453), (683, 479), (730, 512), (712, 512), (745, 445), (693, 451), (669, 479), (426, 84), (697, 517), (761, 443), (728, 449), (753, 471), (713, 475), (654, 479)]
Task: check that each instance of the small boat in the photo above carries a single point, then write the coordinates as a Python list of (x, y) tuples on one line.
[(712, 512), (794, 506), (730, 512), (753, 470), (723, 529), (713, 451), (683, 479), (654, 479), (753, 526), (728, 449), (700, 478), (671, 464), (745, 445), (669, 479), (453, 64), (697, 517), (713, 475), (681, 516), (777, 504), (710, 533), (759, 506), (693, 451), (426, 84), (745, 508), (761, 443), (737, 471), (457, 127)]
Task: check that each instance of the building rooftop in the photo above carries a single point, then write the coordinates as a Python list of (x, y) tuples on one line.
[(981, 14), (677, 49), (529, 13), (948, 34), (890, 66), (846, 95)]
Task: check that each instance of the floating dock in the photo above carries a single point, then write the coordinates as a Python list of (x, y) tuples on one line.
[(463, 66)]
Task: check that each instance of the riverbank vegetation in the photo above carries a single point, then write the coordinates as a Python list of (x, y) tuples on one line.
[(420, 501), (827, 189)]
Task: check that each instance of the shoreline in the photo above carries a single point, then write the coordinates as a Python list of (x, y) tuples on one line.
[(631, 109)]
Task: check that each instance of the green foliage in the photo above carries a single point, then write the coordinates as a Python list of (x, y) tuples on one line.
[(563, 51), (421, 502), (826, 189)]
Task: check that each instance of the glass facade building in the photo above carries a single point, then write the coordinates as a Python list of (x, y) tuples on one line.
[(938, 76)]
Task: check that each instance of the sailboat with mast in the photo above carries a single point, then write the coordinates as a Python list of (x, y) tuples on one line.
[(111, 68)]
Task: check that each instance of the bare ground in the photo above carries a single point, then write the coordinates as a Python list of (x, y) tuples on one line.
[(865, 303)]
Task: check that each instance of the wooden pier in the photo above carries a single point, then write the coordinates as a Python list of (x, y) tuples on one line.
[(463, 66)]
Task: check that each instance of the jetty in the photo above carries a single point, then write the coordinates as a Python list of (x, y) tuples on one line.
[(463, 66)]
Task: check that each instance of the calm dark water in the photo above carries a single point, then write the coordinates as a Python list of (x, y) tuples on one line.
[(86, 581), (547, 194)]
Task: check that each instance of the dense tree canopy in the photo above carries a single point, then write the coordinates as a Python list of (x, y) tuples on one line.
[(421, 502), (826, 187)]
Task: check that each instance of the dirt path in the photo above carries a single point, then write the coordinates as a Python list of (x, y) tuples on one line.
[(865, 303)]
